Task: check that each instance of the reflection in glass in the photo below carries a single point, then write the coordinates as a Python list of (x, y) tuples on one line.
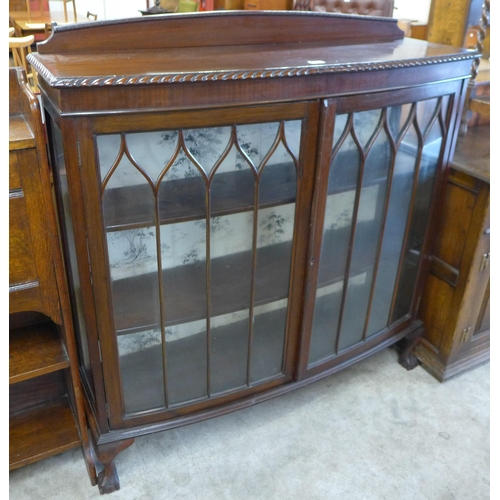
[(108, 149), (207, 145), (141, 366), (152, 151), (256, 140), (186, 361), (366, 125)]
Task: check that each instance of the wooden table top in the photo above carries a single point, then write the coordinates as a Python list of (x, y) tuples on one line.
[(35, 22)]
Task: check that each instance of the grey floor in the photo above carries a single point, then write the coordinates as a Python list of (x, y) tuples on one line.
[(371, 432)]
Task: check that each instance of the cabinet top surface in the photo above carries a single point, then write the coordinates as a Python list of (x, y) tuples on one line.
[(228, 46), (472, 153)]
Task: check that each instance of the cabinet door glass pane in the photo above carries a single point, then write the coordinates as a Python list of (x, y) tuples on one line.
[(402, 129), (383, 162), (199, 227), (429, 123), (59, 165), (337, 230)]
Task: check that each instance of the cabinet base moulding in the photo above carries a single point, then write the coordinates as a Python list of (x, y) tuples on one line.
[(431, 362)]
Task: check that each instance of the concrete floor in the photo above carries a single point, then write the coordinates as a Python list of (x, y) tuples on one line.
[(371, 432)]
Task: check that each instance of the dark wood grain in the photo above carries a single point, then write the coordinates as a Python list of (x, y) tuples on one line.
[(223, 29)]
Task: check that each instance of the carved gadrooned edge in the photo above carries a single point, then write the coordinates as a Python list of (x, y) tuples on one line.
[(215, 76)]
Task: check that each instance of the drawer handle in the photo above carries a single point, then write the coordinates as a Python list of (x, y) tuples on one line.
[(485, 261)]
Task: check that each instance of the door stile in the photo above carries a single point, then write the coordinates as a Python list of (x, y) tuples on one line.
[(72, 168), (327, 115), (94, 222)]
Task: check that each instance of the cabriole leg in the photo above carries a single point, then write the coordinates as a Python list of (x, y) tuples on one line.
[(107, 479)]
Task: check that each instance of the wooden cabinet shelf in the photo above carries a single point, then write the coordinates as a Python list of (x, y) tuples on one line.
[(185, 299), (131, 207), (34, 351), (229, 290), (40, 432)]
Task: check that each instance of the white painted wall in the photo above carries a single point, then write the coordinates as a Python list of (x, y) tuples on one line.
[(117, 9), (411, 9), (105, 9)]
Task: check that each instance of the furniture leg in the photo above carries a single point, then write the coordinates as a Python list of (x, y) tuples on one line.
[(406, 346), (107, 479)]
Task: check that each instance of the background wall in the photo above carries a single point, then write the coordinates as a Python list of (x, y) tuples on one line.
[(116, 9), (414, 11), (105, 9)]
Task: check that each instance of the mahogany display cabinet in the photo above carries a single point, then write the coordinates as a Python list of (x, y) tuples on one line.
[(247, 203)]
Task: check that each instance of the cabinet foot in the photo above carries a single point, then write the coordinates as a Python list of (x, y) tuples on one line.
[(406, 346), (107, 479)]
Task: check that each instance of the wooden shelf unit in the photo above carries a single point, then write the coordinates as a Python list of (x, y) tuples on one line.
[(34, 351), (456, 301), (45, 401), (42, 431)]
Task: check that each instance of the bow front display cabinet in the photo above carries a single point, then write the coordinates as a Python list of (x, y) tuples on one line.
[(246, 201)]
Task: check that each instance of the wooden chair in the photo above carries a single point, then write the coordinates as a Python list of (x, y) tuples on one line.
[(12, 31), (21, 47), (44, 5), (40, 5), (48, 30)]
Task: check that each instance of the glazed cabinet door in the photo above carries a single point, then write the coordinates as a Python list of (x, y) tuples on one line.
[(194, 225), (379, 161)]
